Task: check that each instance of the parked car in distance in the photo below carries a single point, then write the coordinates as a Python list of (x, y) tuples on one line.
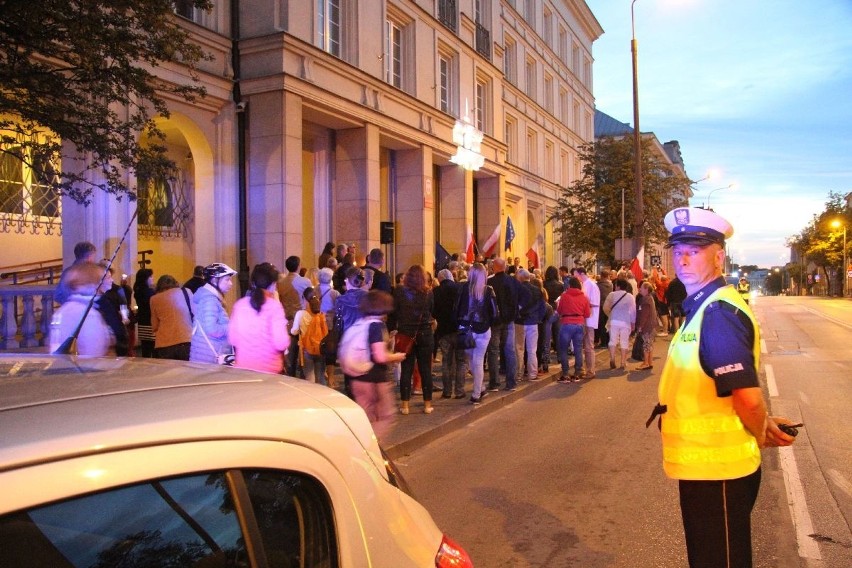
[(139, 462)]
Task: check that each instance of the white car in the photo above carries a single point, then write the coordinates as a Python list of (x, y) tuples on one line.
[(137, 462)]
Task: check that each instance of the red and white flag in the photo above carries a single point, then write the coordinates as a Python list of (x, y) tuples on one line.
[(491, 244), (470, 248), (532, 256), (637, 266)]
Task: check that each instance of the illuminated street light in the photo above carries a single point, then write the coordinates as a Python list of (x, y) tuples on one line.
[(836, 224), (639, 204), (712, 191)]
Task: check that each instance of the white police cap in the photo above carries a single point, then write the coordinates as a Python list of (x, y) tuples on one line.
[(696, 226)]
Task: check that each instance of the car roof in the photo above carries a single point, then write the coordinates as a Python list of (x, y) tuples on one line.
[(52, 407)]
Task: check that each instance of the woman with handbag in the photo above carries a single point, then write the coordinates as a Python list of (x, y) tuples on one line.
[(412, 318), (210, 332), (476, 310)]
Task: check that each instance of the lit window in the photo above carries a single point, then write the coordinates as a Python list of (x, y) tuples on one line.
[(329, 26), (481, 105), (393, 57), (510, 61), (531, 77), (29, 198), (448, 88)]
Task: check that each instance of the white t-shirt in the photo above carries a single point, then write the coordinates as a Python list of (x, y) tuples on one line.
[(593, 293)]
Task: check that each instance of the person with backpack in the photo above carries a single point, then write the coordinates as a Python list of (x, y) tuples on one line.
[(311, 327), (365, 358)]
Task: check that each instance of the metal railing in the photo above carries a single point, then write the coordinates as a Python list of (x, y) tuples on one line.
[(483, 41), (448, 14), (25, 316)]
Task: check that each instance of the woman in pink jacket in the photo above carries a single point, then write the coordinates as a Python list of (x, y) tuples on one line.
[(258, 327)]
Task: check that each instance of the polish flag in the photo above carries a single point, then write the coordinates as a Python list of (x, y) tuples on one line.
[(532, 256), (469, 250), (491, 243), (636, 266)]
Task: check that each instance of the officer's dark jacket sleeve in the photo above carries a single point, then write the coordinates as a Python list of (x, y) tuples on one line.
[(725, 352)]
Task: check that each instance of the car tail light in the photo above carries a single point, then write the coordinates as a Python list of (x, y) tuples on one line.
[(451, 555)]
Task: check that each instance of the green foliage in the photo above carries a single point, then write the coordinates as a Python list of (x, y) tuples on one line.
[(588, 216), (820, 242), (79, 73)]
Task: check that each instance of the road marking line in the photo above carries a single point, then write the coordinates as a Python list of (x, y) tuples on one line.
[(808, 547), (763, 348), (829, 318), (841, 482), (771, 385)]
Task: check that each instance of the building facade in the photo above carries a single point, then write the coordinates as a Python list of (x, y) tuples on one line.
[(343, 118)]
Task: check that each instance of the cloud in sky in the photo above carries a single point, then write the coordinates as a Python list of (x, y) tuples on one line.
[(758, 89)]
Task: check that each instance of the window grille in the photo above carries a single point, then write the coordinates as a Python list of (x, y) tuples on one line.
[(29, 200), (448, 14), (164, 207)]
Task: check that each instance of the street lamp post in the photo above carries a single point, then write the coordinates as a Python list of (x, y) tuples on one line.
[(639, 206), (712, 191), (844, 268)]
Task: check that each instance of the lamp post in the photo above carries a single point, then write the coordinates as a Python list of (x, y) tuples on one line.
[(639, 205), (712, 191), (836, 224)]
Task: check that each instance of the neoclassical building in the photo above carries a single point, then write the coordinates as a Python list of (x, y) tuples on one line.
[(325, 118)]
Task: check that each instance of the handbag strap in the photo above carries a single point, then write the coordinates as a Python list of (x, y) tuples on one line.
[(207, 339), (186, 297), (618, 300)]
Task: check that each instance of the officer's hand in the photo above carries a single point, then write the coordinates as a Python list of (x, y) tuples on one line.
[(774, 435)]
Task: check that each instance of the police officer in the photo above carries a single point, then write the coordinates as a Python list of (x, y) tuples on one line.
[(744, 288), (713, 418)]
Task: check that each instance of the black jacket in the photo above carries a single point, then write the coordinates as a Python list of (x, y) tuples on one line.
[(506, 288), (531, 309), (412, 313), (445, 297)]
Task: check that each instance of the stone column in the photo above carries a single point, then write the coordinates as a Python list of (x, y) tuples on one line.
[(357, 188), (456, 197), (275, 178), (415, 209)]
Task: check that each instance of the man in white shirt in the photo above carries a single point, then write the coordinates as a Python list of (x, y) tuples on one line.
[(593, 293)]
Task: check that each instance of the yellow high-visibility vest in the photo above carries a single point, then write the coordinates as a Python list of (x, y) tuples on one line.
[(703, 438)]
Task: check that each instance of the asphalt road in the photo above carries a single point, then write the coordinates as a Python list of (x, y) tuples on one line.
[(569, 476)]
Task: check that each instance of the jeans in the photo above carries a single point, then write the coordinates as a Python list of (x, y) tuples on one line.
[(502, 338), (526, 336), (545, 329), (314, 366), (421, 354), (571, 334), (453, 365), (477, 360)]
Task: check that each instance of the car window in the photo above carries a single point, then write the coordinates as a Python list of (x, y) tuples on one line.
[(185, 521)]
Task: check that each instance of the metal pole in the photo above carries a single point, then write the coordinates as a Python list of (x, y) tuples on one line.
[(639, 207), (845, 275), (621, 247)]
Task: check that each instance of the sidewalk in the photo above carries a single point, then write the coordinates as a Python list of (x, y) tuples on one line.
[(417, 429)]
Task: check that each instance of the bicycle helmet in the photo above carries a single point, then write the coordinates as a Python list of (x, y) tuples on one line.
[(217, 270)]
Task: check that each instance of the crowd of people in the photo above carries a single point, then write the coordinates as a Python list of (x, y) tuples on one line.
[(488, 320)]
